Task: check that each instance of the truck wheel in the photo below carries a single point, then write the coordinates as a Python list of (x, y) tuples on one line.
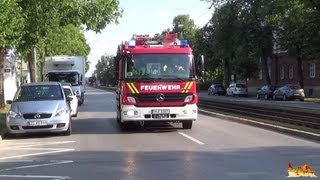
[(124, 126), (187, 124)]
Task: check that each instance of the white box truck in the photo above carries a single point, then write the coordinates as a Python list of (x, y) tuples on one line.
[(68, 69)]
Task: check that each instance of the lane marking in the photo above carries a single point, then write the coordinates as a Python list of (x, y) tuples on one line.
[(31, 144), (37, 154), (34, 177), (191, 138), (36, 165)]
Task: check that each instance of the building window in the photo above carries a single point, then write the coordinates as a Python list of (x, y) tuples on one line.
[(281, 71), (260, 74), (312, 70), (290, 71)]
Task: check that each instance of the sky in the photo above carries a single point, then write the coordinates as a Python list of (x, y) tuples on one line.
[(143, 17)]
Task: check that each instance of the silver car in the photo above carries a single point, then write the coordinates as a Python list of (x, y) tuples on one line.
[(39, 107)]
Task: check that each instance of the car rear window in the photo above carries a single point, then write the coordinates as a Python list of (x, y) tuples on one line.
[(241, 86)]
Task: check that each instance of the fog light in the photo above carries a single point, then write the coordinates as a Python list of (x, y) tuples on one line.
[(194, 111), (185, 112), (14, 127), (59, 125)]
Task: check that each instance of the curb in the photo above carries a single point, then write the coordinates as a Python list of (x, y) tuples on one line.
[(280, 129)]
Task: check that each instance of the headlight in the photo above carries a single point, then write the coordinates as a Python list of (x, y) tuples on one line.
[(61, 112), (14, 114), (188, 99)]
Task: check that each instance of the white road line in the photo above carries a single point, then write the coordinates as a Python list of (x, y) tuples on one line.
[(37, 149), (36, 165), (31, 144), (34, 177), (36, 154), (191, 138)]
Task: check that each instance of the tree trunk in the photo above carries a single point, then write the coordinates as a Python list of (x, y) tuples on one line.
[(300, 71), (276, 69), (226, 74), (2, 58), (266, 69), (31, 64)]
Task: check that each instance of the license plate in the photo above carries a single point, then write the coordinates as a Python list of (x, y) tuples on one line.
[(37, 123), (160, 111)]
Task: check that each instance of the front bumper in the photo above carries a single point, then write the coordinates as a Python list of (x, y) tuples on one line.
[(133, 113), (53, 124)]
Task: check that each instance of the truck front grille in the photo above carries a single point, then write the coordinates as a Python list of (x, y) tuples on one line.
[(153, 97)]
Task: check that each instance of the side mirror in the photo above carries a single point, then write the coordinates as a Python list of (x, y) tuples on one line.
[(200, 68), (69, 98), (9, 101)]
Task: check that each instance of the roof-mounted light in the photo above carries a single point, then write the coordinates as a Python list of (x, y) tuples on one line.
[(132, 43), (184, 43)]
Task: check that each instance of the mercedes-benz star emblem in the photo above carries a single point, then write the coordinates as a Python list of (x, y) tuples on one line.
[(37, 116), (160, 97)]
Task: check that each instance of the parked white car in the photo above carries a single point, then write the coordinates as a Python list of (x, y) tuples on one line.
[(74, 102), (237, 89)]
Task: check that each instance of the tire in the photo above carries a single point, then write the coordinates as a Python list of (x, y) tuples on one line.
[(187, 124), (69, 130), (232, 94), (11, 135), (274, 97), (284, 98), (302, 99), (76, 114)]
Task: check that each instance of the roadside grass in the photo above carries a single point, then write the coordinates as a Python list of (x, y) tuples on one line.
[(312, 99), (3, 112)]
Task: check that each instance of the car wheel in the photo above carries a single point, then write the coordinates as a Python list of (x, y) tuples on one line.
[(302, 99), (232, 94), (258, 97), (69, 130), (284, 98), (266, 97), (187, 124), (75, 115)]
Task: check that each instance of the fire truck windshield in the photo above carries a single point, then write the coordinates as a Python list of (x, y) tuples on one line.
[(159, 66)]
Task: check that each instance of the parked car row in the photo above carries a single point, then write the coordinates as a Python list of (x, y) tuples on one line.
[(42, 107), (284, 92)]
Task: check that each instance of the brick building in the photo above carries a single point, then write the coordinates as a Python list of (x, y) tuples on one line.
[(284, 69)]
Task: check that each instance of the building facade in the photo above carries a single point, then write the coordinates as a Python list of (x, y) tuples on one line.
[(283, 69)]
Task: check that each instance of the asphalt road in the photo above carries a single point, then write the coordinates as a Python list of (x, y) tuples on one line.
[(97, 149)]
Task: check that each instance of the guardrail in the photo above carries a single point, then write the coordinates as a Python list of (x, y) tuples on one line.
[(277, 114)]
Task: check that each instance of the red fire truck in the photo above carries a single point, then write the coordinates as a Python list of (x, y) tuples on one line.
[(157, 81)]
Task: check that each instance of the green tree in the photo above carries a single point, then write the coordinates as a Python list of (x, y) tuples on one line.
[(298, 30), (11, 23), (43, 17), (184, 27), (105, 70)]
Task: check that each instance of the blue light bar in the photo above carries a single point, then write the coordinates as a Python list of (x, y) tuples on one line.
[(184, 43), (132, 43)]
